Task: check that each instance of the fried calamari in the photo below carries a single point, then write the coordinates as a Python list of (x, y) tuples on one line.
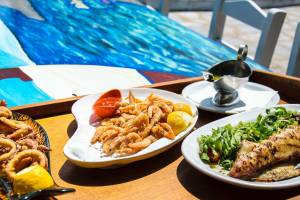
[(136, 125)]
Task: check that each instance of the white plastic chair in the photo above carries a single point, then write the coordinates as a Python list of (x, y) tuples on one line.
[(294, 62), (162, 6), (248, 12)]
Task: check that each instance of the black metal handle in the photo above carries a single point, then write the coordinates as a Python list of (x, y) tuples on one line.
[(208, 76), (242, 52), (47, 192)]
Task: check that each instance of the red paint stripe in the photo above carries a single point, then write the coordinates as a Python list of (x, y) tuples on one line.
[(14, 73), (157, 77)]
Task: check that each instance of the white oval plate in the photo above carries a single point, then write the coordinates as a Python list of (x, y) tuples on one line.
[(79, 151), (252, 95), (190, 151)]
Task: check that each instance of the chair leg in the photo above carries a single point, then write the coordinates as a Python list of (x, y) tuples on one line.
[(163, 6), (217, 22), (269, 37), (294, 62)]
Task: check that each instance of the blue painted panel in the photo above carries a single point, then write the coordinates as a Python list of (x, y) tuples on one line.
[(17, 92), (115, 34), (9, 61), (108, 33)]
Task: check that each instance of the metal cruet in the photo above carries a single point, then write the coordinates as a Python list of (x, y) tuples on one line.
[(227, 77)]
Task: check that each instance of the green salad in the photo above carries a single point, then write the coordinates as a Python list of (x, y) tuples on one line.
[(222, 145)]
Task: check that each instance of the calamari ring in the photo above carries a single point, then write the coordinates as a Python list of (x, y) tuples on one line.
[(5, 112), (7, 143), (20, 133), (14, 164), (8, 126)]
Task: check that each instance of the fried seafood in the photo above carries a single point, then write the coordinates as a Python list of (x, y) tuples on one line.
[(20, 145), (28, 143), (20, 133), (7, 149), (24, 159), (254, 157), (163, 130), (8, 126), (135, 125), (139, 145), (5, 112)]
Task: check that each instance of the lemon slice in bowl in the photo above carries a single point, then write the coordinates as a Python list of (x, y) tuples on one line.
[(179, 121), (30, 179)]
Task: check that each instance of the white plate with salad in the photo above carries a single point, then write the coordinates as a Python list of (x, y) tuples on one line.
[(258, 149)]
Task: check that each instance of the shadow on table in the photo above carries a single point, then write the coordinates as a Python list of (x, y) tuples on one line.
[(208, 103), (72, 128), (204, 187), (44, 198), (100, 177), (206, 117)]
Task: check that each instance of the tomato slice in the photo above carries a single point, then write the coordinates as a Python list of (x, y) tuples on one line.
[(3, 103), (107, 104)]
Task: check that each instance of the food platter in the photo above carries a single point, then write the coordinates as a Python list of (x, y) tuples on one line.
[(7, 186), (38, 129), (166, 169), (79, 150), (190, 150)]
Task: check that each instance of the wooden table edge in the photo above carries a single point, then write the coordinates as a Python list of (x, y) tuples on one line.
[(273, 80)]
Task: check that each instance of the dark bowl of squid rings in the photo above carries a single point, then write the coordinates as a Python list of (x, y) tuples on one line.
[(23, 143)]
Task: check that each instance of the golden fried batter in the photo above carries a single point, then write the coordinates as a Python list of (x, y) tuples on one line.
[(24, 159), (139, 123), (8, 126), (8, 149), (5, 112)]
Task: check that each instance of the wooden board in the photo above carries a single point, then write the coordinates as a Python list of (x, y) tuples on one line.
[(166, 176), (287, 86)]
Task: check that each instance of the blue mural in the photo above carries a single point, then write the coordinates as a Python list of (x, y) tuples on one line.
[(97, 32), (111, 33), (21, 92), (7, 60)]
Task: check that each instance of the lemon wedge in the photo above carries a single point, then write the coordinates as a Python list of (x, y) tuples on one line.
[(32, 178), (179, 121), (183, 107)]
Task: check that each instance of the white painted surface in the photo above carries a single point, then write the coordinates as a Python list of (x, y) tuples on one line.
[(294, 61), (247, 11), (10, 44), (62, 81)]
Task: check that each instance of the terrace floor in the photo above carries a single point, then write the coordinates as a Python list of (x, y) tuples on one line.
[(200, 22)]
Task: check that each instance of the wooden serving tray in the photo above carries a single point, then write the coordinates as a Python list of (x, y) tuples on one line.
[(166, 176)]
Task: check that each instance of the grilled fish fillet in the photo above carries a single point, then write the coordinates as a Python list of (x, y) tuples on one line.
[(252, 157), (278, 173)]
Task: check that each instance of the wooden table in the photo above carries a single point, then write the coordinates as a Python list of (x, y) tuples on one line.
[(166, 176)]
